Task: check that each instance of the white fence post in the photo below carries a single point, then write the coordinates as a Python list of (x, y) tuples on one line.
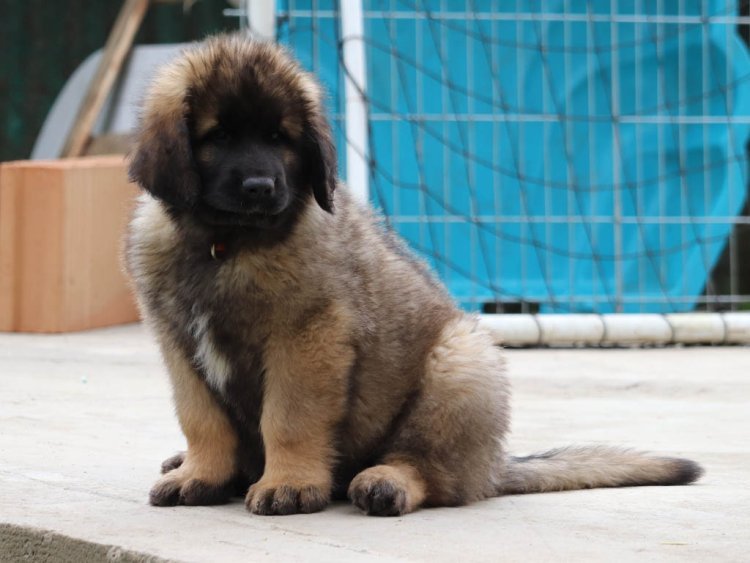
[(352, 36), (261, 18)]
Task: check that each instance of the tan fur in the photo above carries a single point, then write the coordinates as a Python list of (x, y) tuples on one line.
[(210, 437), (307, 365), (205, 154), (211, 440), (291, 125), (328, 359), (204, 122)]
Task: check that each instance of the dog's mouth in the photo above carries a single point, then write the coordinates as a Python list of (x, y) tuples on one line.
[(254, 211), (237, 215)]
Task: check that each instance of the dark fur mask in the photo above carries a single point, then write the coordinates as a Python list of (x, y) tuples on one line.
[(233, 133)]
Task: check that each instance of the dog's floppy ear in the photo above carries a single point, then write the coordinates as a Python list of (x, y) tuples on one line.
[(162, 157), (322, 160)]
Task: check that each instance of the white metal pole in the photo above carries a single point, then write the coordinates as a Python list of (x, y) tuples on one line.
[(352, 36), (261, 18)]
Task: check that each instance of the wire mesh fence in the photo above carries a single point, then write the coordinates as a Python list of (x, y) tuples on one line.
[(555, 155)]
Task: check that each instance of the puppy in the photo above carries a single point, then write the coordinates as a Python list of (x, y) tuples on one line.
[(311, 355)]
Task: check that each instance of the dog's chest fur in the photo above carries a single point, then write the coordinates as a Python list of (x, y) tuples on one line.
[(211, 309), (222, 336)]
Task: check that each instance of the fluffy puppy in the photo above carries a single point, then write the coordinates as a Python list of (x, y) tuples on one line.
[(311, 355)]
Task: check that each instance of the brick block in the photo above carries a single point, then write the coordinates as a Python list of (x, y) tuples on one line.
[(61, 229)]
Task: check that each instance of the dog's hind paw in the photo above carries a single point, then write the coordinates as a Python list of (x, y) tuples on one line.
[(387, 490), (172, 463)]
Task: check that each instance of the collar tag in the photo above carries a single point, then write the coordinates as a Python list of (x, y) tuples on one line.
[(218, 250)]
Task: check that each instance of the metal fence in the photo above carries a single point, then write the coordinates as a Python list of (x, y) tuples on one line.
[(554, 155)]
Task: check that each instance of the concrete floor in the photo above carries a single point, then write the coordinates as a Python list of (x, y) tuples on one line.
[(86, 419)]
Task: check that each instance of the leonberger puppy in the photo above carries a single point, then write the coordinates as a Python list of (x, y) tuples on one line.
[(312, 356)]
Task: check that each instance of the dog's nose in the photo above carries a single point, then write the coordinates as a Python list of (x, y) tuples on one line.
[(258, 186)]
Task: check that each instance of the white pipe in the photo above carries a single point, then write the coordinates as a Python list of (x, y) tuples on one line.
[(513, 330), (636, 329), (261, 18), (738, 328), (696, 328), (571, 329), (355, 84)]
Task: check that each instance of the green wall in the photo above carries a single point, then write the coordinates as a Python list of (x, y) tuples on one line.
[(42, 43)]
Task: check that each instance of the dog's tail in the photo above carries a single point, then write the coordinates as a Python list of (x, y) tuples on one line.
[(572, 468)]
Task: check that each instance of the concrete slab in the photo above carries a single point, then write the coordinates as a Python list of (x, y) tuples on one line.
[(85, 420)]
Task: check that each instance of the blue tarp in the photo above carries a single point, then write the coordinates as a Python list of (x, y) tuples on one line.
[(552, 156)]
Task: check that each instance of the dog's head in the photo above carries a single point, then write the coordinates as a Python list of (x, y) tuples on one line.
[(233, 132)]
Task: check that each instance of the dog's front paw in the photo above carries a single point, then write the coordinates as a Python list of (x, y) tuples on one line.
[(281, 498), (174, 489)]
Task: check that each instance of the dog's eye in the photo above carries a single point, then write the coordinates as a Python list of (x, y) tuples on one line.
[(219, 135), (275, 136)]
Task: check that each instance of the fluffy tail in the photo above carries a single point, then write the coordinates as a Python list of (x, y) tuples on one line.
[(565, 469)]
